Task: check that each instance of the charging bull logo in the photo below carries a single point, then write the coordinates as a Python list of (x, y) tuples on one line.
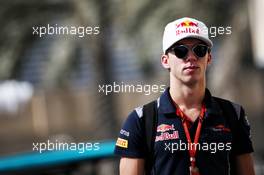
[(165, 127), (187, 24)]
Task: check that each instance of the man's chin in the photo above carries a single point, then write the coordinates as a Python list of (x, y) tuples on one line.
[(191, 81)]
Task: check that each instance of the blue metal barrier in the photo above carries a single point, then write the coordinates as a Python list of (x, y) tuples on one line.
[(47, 158)]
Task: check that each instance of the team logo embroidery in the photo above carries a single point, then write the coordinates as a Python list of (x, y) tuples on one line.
[(164, 129), (221, 128), (123, 143)]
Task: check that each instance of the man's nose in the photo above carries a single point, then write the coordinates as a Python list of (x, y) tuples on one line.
[(191, 56)]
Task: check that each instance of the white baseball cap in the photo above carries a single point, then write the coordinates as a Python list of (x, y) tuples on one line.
[(184, 28)]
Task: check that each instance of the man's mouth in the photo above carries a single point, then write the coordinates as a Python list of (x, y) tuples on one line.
[(192, 67)]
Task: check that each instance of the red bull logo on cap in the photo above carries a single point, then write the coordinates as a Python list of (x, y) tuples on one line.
[(165, 127), (187, 27), (187, 23)]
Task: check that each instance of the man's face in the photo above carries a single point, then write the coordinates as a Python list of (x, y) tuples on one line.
[(189, 70)]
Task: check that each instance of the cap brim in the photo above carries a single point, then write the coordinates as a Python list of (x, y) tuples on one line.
[(206, 40)]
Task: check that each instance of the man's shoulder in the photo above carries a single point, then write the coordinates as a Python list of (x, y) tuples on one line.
[(226, 103), (225, 100), (138, 111)]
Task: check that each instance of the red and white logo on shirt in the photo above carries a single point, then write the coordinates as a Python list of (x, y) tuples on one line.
[(164, 129)]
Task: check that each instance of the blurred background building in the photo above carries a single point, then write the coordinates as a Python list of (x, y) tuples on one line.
[(49, 87)]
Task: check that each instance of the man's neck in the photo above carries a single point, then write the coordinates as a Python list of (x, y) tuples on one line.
[(187, 97)]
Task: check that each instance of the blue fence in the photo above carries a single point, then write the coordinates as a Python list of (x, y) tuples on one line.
[(51, 158)]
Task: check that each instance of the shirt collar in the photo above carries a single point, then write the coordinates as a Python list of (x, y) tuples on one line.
[(167, 106)]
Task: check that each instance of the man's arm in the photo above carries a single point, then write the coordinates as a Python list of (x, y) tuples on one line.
[(245, 165), (131, 166)]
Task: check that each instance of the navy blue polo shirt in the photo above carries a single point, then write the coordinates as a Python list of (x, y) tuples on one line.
[(217, 143)]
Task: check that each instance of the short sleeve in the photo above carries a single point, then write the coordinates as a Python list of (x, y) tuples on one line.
[(242, 138), (130, 142)]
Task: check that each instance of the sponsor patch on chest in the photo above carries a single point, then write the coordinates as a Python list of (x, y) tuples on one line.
[(166, 132), (167, 136)]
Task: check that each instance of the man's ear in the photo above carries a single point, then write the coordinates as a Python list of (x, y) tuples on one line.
[(209, 60), (165, 61)]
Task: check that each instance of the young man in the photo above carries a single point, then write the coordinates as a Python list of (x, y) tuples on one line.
[(195, 132)]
